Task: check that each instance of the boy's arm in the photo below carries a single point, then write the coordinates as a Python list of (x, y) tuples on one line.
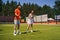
[(16, 14)]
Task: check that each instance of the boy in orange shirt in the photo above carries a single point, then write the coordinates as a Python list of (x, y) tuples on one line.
[(17, 20)]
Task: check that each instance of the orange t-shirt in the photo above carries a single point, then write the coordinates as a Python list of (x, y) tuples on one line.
[(17, 11)]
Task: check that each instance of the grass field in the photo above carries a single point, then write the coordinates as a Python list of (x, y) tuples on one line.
[(41, 32)]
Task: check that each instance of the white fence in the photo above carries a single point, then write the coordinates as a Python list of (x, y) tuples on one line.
[(40, 18), (57, 16)]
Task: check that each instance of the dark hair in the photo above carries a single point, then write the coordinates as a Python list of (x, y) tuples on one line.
[(31, 10), (17, 6)]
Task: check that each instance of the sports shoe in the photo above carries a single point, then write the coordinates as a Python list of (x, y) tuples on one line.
[(18, 32), (31, 30), (14, 33)]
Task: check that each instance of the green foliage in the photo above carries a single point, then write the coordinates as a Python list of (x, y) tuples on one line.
[(57, 6), (0, 7), (8, 9)]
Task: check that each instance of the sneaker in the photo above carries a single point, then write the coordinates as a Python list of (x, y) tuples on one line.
[(18, 32), (14, 33), (31, 30)]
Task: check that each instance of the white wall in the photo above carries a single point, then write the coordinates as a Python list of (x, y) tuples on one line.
[(58, 16), (40, 18)]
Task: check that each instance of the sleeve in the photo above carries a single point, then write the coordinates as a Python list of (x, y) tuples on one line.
[(15, 10)]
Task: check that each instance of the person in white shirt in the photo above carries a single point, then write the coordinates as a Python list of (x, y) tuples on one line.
[(30, 21)]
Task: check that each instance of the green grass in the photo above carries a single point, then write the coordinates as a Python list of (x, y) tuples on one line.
[(42, 32)]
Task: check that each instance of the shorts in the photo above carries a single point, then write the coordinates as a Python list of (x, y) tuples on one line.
[(16, 21), (30, 21)]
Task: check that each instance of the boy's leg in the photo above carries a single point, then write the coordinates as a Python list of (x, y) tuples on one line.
[(15, 24), (18, 31)]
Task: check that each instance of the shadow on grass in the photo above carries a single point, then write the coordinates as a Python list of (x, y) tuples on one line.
[(30, 31), (1, 30), (36, 30), (24, 33)]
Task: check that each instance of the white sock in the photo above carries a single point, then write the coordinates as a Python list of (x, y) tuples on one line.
[(18, 31), (14, 30)]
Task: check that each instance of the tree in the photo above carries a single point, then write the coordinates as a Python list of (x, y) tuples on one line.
[(57, 7), (13, 5), (19, 4), (47, 10), (7, 8), (37, 9), (0, 7), (4, 9)]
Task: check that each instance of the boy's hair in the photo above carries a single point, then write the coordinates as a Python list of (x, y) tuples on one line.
[(17, 6), (31, 10)]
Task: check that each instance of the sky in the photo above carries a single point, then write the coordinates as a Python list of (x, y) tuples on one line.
[(50, 3)]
